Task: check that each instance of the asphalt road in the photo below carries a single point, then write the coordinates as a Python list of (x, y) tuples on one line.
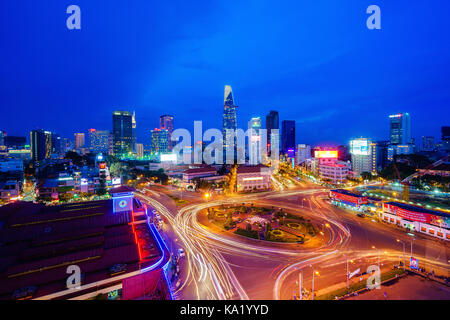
[(220, 265)]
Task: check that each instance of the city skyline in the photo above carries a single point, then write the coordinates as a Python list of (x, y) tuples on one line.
[(319, 85)]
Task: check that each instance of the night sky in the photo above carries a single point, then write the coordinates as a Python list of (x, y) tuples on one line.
[(313, 61)]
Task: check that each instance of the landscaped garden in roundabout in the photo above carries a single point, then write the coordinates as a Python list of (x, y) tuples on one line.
[(262, 223)]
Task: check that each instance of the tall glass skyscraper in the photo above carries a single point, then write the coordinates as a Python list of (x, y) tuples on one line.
[(160, 141), (229, 116), (400, 128), (288, 136), (272, 122), (166, 123), (122, 132), (41, 145)]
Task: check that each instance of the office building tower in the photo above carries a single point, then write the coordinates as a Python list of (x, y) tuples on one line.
[(122, 133), (41, 145), (400, 128), (79, 140), (56, 144), (288, 136), (229, 119), (379, 150), (254, 141), (361, 152), (2, 137), (427, 143), (397, 149), (166, 123), (160, 141), (272, 122), (99, 141), (303, 153), (133, 131)]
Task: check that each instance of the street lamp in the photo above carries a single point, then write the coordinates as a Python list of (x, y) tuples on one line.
[(404, 261)]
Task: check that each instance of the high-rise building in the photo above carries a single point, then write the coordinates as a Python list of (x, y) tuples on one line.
[(41, 145), (99, 141), (139, 150), (445, 132), (122, 133), (272, 122), (288, 136), (427, 143), (166, 123), (229, 118), (79, 140), (302, 153), (160, 141), (254, 141), (379, 150), (56, 144), (2, 137), (361, 152), (400, 128), (133, 131)]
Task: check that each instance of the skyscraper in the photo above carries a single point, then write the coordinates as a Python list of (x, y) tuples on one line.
[(400, 128), (133, 131), (160, 142), (99, 141), (254, 141), (2, 137), (122, 133), (166, 123), (79, 140), (229, 117), (272, 122), (41, 145), (56, 144), (287, 136)]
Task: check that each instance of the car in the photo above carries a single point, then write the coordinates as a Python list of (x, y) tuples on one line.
[(361, 215), (181, 253)]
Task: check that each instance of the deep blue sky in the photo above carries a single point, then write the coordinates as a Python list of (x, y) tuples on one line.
[(313, 61)]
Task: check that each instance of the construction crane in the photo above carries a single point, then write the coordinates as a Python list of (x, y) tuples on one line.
[(405, 193)]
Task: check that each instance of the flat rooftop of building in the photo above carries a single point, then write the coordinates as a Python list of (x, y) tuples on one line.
[(252, 169), (348, 193), (38, 243), (418, 209)]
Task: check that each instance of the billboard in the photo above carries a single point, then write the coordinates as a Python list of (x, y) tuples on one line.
[(168, 157), (443, 222), (348, 198), (360, 146), (414, 263), (326, 154)]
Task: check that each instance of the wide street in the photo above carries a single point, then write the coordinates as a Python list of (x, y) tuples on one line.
[(221, 265)]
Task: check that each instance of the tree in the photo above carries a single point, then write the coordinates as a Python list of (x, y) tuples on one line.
[(366, 176), (75, 157)]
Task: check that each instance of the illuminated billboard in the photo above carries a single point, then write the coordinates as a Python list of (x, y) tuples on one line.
[(326, 154), (360, 146), (168, 157)]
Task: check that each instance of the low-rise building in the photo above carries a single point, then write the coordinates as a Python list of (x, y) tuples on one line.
[(201, 172), (432, 222), (253, 178)]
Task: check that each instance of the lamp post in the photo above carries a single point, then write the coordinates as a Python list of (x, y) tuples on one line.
[(404, 261), (314, 273)]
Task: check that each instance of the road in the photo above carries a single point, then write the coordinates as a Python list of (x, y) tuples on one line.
[(220, 265)]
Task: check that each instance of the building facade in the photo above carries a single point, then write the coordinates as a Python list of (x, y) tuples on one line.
[(287, 136), (122, 133)]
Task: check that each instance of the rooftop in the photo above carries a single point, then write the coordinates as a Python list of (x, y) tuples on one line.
[(418, 209), (38, 243)]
